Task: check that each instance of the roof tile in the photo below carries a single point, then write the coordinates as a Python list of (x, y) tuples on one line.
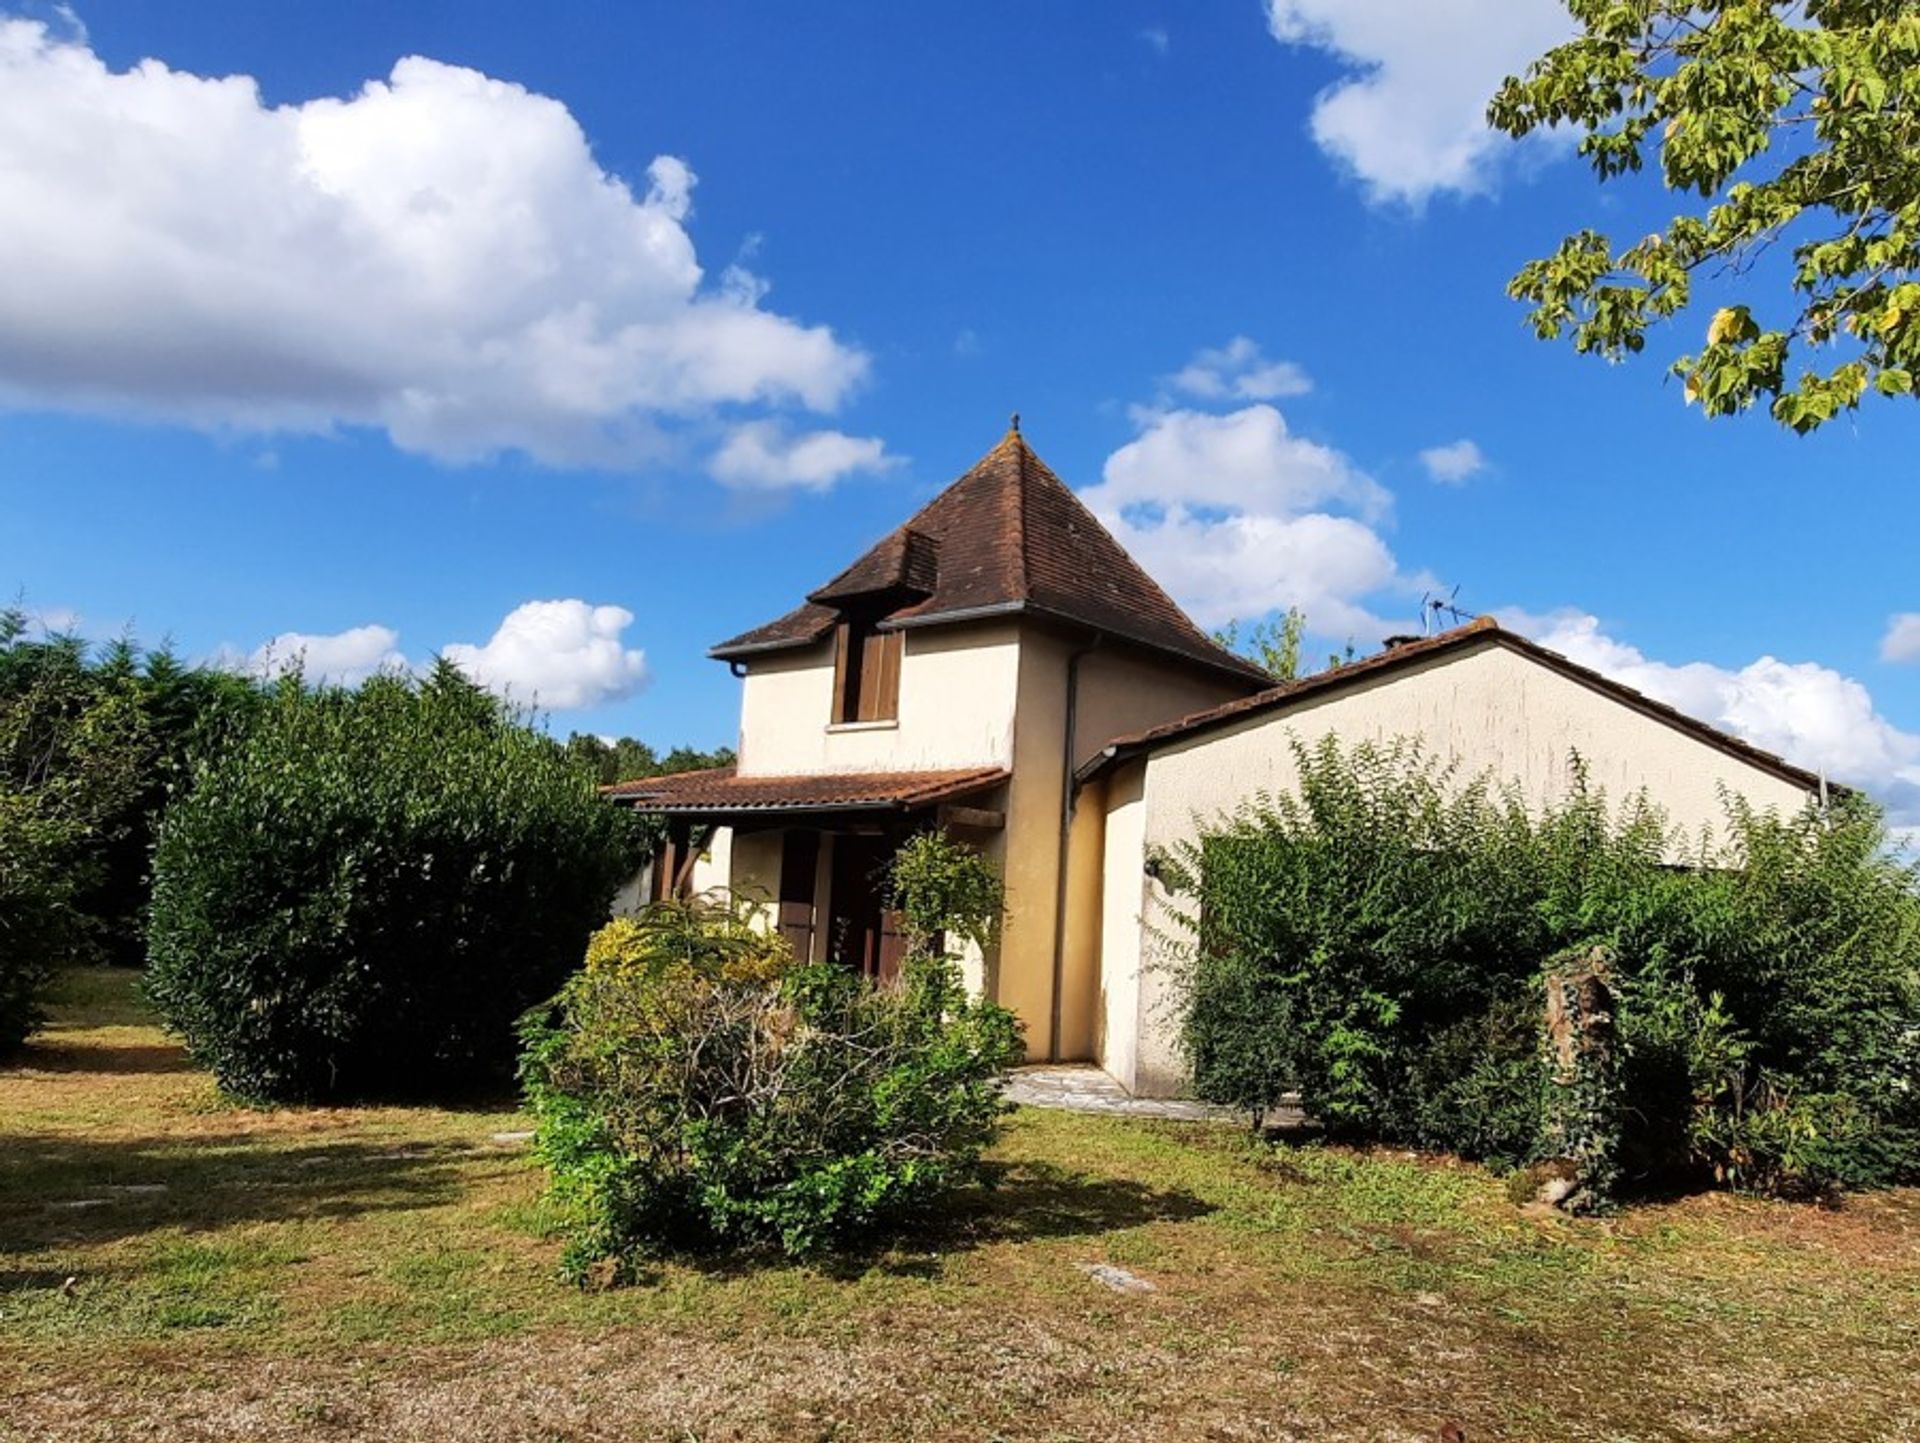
[(1008, 536), (722, 790)]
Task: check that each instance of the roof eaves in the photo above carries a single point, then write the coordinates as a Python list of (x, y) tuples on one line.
[(728, 650)]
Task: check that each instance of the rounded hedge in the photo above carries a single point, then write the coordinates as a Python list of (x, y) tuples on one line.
[(361, 897)]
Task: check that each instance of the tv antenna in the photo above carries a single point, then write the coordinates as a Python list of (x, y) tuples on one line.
[(1433, 607)]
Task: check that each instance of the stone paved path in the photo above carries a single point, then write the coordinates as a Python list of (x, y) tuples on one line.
[(1084, 1088)]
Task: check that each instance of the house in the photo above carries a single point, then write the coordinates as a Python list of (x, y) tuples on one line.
[(1000, 667)]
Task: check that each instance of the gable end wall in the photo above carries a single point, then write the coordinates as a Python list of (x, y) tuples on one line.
[(1488, 708)]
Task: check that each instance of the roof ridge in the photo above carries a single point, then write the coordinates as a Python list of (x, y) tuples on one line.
[(1022, 453), (1482, 627)]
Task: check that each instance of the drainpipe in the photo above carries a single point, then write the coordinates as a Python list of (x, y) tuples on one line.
[(1067, 797)]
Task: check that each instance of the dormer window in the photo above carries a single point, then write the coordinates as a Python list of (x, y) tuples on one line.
[(866, 671)]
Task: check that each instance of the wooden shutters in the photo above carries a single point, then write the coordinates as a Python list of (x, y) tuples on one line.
[(799, 863), (879, 698), (866, 672)]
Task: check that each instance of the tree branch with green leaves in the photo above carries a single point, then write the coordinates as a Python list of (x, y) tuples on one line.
[(1797, 122)]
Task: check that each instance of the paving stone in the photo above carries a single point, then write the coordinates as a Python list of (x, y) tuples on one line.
[(1119, 1279), (1084, 1088)]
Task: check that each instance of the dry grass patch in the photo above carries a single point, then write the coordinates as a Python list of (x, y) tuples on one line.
[(385, 1273)]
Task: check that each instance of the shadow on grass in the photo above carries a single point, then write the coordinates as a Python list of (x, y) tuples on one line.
[(63, 1191), (51, 1055), (1021, 1203)]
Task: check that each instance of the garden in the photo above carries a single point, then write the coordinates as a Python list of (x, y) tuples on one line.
[(395, 1132)]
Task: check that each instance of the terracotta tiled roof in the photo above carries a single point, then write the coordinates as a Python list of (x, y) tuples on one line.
[(1481, 631), (905, 563), (1007, 538), (722, 791)]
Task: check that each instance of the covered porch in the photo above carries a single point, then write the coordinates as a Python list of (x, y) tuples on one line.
[(815, 850)]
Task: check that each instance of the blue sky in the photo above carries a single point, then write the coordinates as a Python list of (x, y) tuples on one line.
[(369, 374)]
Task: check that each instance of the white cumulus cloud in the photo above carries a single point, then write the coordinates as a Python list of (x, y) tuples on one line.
[(558, 654), (1808, 713), (1453, 463), (1902, 641), (340, 658), (1239, 371), (766, 454), (1409, 116), (438, 255), (1231, 514)]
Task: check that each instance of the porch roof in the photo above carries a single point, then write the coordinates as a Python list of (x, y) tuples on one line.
[(721, 791)]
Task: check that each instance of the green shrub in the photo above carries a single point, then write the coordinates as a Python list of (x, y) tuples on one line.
[(165, 716), (72, 746), (1477, 1088), (695, 1088), (1376, 942), (361, 896)]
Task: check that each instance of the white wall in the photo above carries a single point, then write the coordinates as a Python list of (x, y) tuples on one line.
[(1487, 708), (1124, 690), (957, 691), (1122, 902), (713, 868)]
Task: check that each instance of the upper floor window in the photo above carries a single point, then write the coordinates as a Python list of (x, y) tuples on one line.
[(866, 672)]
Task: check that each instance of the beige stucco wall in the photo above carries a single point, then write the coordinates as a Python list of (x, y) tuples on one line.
[(1487, 708), (1125, 690), (1122, 902), (755, 872), (1030, 846), (1118, 689), (988, 694), (957, 698)]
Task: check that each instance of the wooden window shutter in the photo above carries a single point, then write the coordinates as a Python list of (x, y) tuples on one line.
[(887, 700), (866, 672), (842, 645), (799, 860), (879, 680)]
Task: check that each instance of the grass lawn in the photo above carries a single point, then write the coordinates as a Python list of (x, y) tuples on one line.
[(172, 1267)]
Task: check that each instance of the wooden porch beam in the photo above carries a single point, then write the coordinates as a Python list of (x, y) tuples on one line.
[(979, 818), (698, 839)]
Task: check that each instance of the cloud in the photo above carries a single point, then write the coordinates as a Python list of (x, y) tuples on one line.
[(1155, 37), (1808, 713), (1409, 116), (765, 455), (1229, 512), (438, 255), (341, 658), (1454, 463), (558, 654), (1238, 371), (1902, 641)]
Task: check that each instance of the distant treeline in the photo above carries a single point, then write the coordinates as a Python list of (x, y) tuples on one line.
[(96, 739)]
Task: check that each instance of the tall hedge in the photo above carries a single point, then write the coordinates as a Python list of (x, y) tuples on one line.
[(73, 745), (1381, 940), (360, 897)]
